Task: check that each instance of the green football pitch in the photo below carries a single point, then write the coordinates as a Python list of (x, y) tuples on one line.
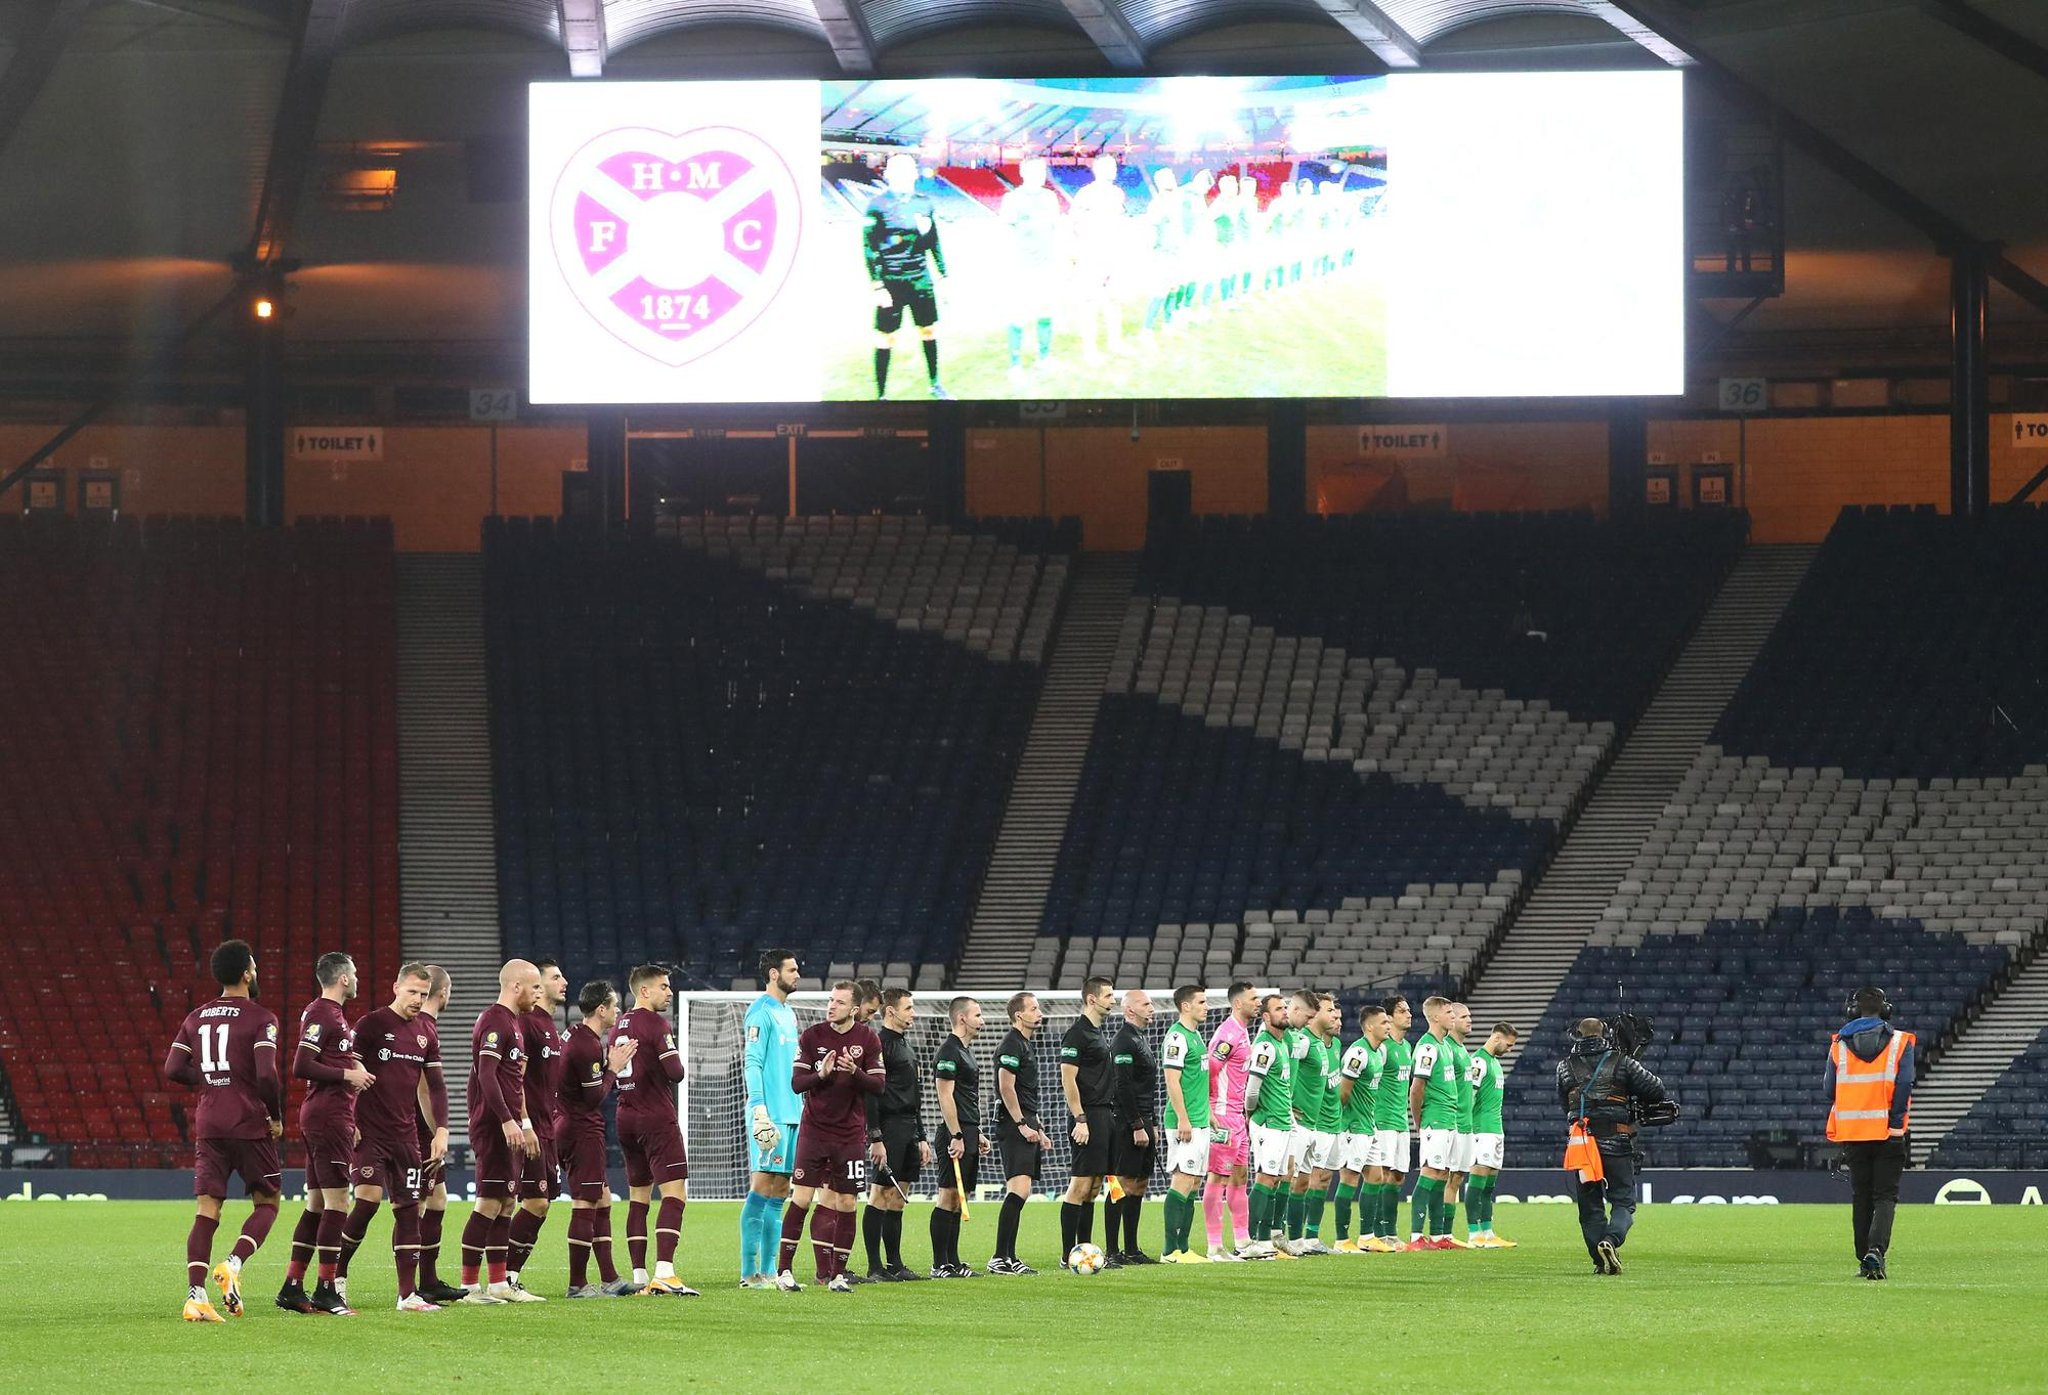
[(1714, 1299)]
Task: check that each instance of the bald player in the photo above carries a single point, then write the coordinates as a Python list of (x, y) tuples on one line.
[(501, 1136), (433, 1121), (538, 1185)]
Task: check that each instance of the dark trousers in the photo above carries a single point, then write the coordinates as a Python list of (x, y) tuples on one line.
[(1874, 1170), (1616, 1195)]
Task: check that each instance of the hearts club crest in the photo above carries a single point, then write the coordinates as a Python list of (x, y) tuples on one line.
[(675, 243)]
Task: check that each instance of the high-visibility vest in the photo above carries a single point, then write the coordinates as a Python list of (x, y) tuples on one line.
[(1863, 1092)]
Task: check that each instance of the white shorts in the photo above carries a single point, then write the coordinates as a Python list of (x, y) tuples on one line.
[(1461, 1152), (1269, 1150), (1437, 1147), (1191, 1157), (1390, 1148), (1354, 1151), (1488, 1149), (1314, 1149)]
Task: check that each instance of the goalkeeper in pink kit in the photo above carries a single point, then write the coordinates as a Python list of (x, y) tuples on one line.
[(1230, 1051)]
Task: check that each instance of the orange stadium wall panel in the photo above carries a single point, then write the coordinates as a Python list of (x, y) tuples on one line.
[(1098, 474), (1504, 467)]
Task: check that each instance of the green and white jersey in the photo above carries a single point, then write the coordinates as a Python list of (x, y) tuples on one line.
[(1486, 1091), (1317, 1101), (1184, 1051), (1391, 1109), (1273, 1064), (1463, 1059), (1364, 1065), (1438, 1067)]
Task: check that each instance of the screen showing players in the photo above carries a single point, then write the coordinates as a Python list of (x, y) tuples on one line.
[(1496, 234)]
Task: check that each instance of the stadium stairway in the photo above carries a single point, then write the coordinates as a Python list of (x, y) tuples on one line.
[(447, 842), (1517, 983), (1971, 1064), (1020, 868)]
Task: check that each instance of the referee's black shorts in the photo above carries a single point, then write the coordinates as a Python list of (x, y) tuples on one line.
[(1092, 1159), (970, 1160), (1130, 1160), (899, 1145), (906, 295), (1020, 1158)]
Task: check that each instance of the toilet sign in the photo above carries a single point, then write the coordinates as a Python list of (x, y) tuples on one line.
[(341, 443), (1395, 442), (2030, 430)]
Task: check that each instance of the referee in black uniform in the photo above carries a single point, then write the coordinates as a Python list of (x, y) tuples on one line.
[(1019, 1133), (1088, 1080), (897, 1147), (1137, 1126), (962, 1145)]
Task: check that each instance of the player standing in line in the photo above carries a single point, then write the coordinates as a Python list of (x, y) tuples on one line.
[(1199, 251), (903, 256), (1458, 1021), (501, 1137), (539, 1185), (326, 1057), (227, 1050), (651, 1133), (773, 1110), (898, 1151), (1031, 212), (1099, 248), (1319, 1109), (589, 1073), (1488, 1138), (867, 1006), (1186, 1126), (1135, 1074), (1358, 1088), (1388, 1161), (961, 1141), (433, 1121), (1020, 1136), (838, 1064), (1433, 1112), (1271, 1105), (387, 1156), (1088, 1082), (1229, 1069), (1169, 243)]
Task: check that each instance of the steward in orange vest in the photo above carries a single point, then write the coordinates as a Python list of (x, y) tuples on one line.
[(1869, 1085)]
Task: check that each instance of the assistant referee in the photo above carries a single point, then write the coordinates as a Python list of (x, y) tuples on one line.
[(1088, 1080)]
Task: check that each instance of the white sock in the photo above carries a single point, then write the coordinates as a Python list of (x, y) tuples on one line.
[(663, 1269), (341, 1287), (197, 1293), (234, 1263), (640, 1277), (512, 1277)]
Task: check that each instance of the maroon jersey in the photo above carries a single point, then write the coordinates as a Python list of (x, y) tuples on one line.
[(227, 1049), (395, 1050), (437, 1082), (647, 1084), (543, 1071), (496, 1090), (584, 1082), (326, 1049), (836, 1105)]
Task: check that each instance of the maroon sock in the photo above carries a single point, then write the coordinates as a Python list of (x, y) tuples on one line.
[(668, 1229), (824, 1239), (352, 1234), (497, 1246), (842, 1242), (636, 1234), (328, 1242), (431, 1219), (525, 1232), (579, 1246), (601, 1244), (476, 1232), (792, 1236), (304, 1231), (405, 1247), (254, 1231), (199, 1249)]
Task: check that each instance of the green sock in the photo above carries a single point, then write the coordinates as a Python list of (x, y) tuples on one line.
[(1172, 1222), (1297, 1210), (1486, 1186), (1314, 1225), (1475, 1206), (1418, 1208), (1390, 1210), (1261, 1209), (1346, 1194)]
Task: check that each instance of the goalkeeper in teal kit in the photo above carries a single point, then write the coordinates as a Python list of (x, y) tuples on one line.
[(773, 1110)]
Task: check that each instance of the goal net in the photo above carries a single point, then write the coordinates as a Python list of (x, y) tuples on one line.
[(713, 1095)]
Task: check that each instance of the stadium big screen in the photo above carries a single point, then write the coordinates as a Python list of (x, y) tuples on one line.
[(1493, 234)]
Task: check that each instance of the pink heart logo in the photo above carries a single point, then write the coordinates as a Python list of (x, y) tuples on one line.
[(676, 243)]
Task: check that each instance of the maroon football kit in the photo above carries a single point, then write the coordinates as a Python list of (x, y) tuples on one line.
[(496, 1093), (327, 1115), (542, 1178), (650, 1133), (227, 1049), (832, 1141)]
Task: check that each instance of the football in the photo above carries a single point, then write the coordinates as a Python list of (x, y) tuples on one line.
[(1085, 1259)]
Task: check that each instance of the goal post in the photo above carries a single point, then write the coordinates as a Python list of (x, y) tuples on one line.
[(712, 1095)]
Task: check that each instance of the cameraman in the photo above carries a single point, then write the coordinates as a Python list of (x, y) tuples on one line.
[(1601, 1083)]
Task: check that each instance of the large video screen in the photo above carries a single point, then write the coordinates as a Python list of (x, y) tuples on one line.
[(1427, 235)]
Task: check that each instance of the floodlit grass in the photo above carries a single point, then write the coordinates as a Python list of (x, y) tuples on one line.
[(1714, 1299)]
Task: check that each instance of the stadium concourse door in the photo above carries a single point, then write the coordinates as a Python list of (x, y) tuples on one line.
[(782, 471)]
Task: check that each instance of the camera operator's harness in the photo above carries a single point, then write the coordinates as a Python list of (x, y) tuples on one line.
[(1627, 1034)]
